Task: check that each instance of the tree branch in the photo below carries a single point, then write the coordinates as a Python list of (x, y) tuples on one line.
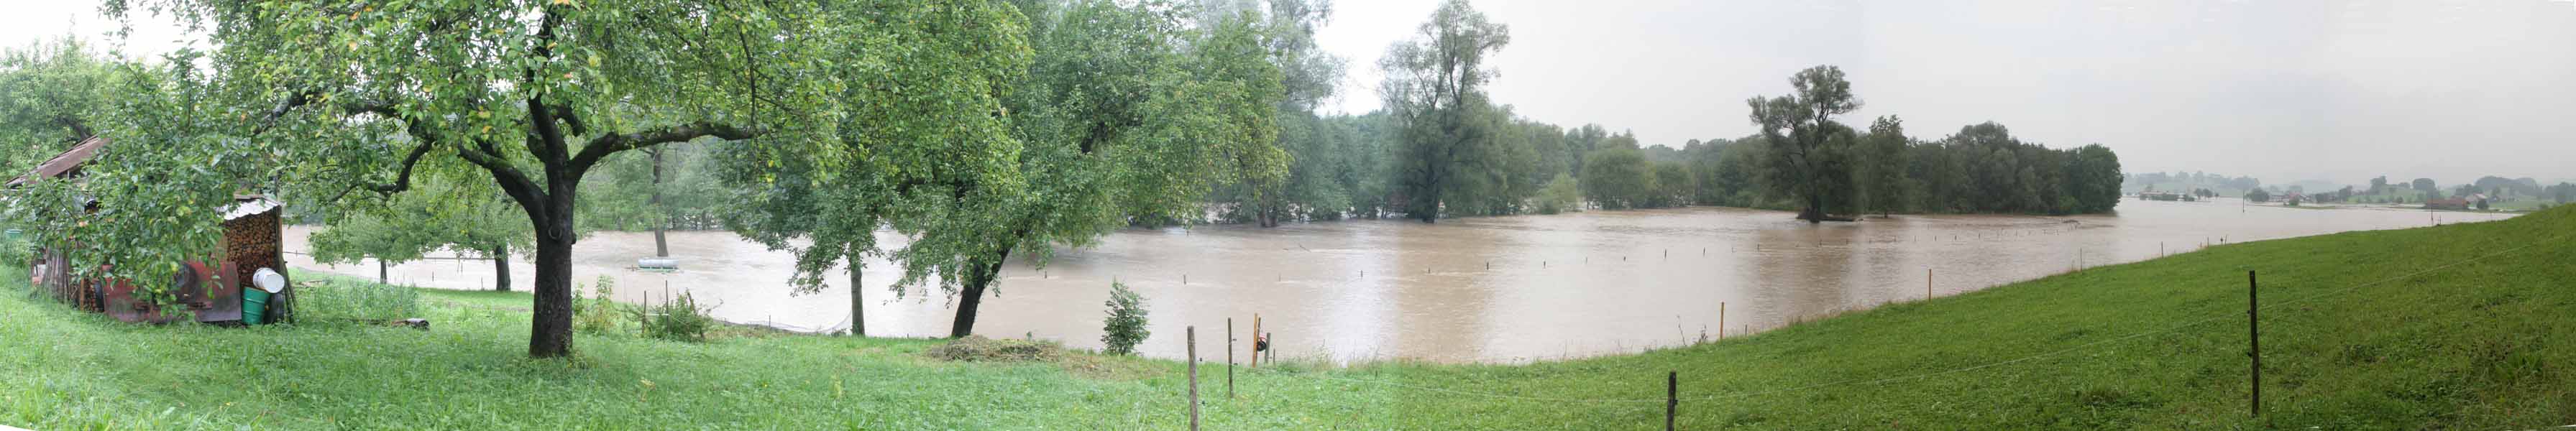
[(512, 181), (600, 147), (402, 180)]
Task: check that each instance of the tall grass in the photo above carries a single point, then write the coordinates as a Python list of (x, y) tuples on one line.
[(346, 299)]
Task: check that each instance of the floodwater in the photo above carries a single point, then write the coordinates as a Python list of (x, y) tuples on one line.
[(1496, 289)]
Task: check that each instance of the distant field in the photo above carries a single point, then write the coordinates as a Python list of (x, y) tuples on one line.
[(2453, 327)]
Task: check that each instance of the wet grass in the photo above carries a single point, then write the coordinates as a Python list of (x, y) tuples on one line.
[(2453, 327)]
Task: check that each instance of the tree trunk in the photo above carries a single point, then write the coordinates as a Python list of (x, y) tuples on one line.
[(380, 272), (974, 295), (501, 268), (550, 331), (661, 246), (858, 308)]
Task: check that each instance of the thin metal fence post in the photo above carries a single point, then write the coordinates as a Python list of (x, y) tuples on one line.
[(2254, 343)]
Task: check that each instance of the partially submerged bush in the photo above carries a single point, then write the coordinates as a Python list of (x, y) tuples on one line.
[(1125, 326), (364, 301), (976, 348)]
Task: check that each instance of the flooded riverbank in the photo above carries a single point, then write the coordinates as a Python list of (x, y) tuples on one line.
[(1498, 289)]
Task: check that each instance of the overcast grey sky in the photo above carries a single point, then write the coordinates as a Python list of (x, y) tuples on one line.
[(2282, 90)]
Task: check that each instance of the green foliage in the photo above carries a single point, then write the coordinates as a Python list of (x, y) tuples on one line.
[(340, 299), (681, 318), (457, 214), (1618, 178), (1562, 194), (1125, 325), (1810, 152), (53, 93), (1672, 186), (1434, 91), (601, 314), (1883, 162)]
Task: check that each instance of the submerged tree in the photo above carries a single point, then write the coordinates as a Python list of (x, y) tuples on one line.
[(1435, 90), (1807, 147)]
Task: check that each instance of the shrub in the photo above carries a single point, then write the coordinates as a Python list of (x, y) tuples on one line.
[(1125, 326), (976, 348), (1563, 194), (681, 319), (599, 314), (364, 301)]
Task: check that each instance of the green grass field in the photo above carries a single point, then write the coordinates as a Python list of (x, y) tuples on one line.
[(2453, 327)]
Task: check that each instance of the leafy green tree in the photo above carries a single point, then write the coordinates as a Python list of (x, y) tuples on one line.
[(2093, 179), (441, 213), (1881, 166), (1808, 148), (932, 140), (1562, 194), (1618, 178), (1672, 185), (531, 95), (1125, 115), (1435, 90), (2425, 185), (52, 94), (365, 236)]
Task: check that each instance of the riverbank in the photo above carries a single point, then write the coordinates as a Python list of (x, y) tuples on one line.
[(1484, 290), (2453, 326)]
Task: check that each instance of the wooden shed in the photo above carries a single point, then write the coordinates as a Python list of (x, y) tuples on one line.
[(207, 290)]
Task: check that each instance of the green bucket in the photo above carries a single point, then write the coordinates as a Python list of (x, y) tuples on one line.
[(254, 305)]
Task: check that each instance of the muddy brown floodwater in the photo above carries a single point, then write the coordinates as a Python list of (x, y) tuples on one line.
[(1496, 289)]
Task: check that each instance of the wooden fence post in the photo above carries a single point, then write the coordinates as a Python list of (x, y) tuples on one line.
[(1258, 340), (1721, 320), (2254, 342), (1229, 358), (1190, 336), (1672, 397)]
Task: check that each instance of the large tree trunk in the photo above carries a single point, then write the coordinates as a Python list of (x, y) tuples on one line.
[(380, 272), (1815, 211), (974, 295), (858, 307), (501, 268), (550, 333)]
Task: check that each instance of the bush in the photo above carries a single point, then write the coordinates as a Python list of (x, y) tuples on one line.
[(363, 301), (976, 348), (1125, 326), (600, 313), (681, 319), (1563, 194)]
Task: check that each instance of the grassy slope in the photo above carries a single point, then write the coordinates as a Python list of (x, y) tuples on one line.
[(2463, 334)]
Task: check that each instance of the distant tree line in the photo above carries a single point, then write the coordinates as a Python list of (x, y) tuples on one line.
[(1426, 160)]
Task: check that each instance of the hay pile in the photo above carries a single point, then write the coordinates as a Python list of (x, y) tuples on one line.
[(976, 348)]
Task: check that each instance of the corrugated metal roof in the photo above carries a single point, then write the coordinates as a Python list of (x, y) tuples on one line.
[(246, 206)]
